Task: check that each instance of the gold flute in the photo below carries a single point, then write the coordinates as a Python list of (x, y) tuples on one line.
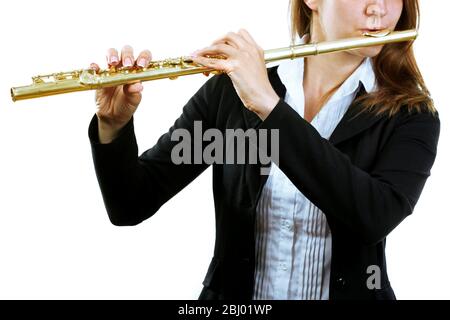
[(88, 79)]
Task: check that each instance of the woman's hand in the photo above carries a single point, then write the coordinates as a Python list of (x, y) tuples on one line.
[(246, 67), (116, 105)]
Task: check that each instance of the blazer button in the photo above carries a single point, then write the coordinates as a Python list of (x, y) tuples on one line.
[(340, 283)]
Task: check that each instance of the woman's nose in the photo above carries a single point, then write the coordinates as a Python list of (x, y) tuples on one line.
[(377, 8)]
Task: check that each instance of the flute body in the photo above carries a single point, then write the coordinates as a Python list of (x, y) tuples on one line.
[(88, 79)]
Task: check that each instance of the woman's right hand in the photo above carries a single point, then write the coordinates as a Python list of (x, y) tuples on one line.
[(116, 105)]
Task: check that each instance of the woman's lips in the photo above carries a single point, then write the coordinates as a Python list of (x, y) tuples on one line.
[(372, 30)]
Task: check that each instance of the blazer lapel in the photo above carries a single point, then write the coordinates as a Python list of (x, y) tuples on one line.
[(350, 125)]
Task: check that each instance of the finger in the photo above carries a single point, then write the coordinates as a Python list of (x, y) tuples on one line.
[(218, 49), (126, 56), (112, 57), (247, 36), (216, 64), (95, 67), (144, 58), (233, 39)]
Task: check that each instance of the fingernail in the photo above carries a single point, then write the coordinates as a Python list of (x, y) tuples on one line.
[(128, 62), (142, 63), (113, 59)]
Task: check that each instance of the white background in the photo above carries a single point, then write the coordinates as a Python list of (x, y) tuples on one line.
[(56, 241)]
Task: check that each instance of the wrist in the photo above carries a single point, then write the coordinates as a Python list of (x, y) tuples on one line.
[(107, 132), (268, 103)]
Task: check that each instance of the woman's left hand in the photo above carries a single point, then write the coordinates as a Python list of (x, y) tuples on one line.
[(246, 67)]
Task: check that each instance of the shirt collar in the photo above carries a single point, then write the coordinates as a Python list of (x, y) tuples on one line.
[(291, 74)]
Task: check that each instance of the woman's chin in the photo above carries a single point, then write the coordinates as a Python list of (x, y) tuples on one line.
[(369, 52)]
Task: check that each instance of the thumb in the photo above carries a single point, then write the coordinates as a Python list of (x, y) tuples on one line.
[(133, 88), (133, 92)]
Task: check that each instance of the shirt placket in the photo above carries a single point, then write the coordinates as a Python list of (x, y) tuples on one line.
[(286, 238)]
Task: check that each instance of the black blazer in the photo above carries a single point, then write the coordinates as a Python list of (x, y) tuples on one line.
[(366, 179)]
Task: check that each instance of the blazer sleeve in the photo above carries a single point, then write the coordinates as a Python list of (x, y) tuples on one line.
[(134, 187), (370, 204)]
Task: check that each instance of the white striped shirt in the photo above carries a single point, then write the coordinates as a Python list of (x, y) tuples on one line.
[(293, 239)]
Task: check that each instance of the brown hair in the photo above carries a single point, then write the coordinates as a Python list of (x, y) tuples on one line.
[(398, 77)]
